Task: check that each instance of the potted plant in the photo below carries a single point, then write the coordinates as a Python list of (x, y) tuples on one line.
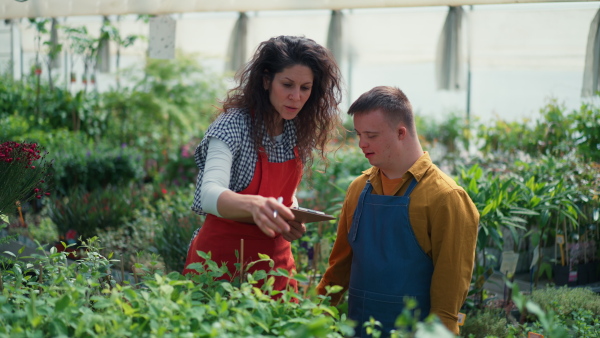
[(582, 258)]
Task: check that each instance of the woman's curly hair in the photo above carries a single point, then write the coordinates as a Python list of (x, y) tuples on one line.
[(319, 119)]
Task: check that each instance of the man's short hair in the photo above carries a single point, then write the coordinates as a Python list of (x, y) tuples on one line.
[(391, 101)]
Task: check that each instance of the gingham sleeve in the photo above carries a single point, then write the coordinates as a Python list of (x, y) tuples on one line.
[(233, 128)]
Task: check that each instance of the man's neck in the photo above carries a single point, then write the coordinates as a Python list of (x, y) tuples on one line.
[(405, 161)]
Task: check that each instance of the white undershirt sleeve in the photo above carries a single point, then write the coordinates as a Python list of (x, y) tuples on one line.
[(216, 177)]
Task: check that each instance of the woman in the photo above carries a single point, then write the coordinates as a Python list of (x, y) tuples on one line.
[(252, 157)]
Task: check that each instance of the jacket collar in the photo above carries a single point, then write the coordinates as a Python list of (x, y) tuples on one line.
[(417, 170)]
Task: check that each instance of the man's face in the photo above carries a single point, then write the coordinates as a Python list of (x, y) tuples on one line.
[(379, 142)]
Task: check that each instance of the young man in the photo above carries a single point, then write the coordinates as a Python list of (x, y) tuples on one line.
[(406, 228)]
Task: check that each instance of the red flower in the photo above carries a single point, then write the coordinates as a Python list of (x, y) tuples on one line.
[(15, 160)]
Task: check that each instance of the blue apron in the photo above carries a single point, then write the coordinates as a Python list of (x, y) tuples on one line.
[(388, 264)]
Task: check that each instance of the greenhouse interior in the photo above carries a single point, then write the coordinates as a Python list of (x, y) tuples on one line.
[(111, 113)]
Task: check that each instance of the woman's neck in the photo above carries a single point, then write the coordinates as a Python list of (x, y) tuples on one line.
[(279, 125)]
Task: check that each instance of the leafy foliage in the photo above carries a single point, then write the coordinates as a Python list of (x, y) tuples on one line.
[(52, 109), (485, 322), (555, 133), (95, 167), (54, 298), (87, 212), (564, 300)]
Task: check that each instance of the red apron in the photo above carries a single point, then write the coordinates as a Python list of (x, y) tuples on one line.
[(222, 237)]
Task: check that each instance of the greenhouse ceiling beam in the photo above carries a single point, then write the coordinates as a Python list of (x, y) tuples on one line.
[(12, 9)]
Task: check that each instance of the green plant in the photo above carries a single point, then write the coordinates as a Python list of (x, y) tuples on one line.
[(587, 131), (177, 225), (57, 108), (43, 231), (162, 223), (175, 237), (565, 300), (551, 200), (553, 131), (84, 46), (172, 103), (6, 262), (181, 168), (485, 322), (52, 47), (497, 199), (87, 212), (560, 312), (95, 167), (506, 137), (547, 321), (53, 298), (122, 42)]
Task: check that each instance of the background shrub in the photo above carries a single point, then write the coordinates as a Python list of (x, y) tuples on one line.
[(174, 239), (87, 212), (485, 323), (95, 167), (177, 224), (565, 300)]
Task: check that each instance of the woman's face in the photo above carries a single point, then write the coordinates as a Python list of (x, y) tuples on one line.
[(290, 89)]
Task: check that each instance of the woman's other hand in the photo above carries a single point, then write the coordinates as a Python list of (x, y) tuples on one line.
[(297, 230)]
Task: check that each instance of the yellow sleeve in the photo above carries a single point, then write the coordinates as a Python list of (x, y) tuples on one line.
[(453, 241), (340, 260)]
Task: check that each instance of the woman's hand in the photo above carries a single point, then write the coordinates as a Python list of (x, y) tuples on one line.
[(272, 217), (262, 209), (297, 230)]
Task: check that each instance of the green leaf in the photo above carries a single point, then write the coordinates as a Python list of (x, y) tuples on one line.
[(259, 275), (59, 328), (487, 209), (473, 186), (199, 267), (263, 256), (301, 278), (333, 289), (62, 303), (127, 309), (535, 309)]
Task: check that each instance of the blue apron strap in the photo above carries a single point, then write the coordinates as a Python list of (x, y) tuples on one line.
[(358, 212), (412, 185)]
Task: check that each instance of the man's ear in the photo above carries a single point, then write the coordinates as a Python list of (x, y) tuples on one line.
[(402, 132)]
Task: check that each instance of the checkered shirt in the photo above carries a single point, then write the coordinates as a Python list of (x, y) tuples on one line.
[(234, 128)]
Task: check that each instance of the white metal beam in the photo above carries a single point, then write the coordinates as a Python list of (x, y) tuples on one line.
[(12, 9)]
